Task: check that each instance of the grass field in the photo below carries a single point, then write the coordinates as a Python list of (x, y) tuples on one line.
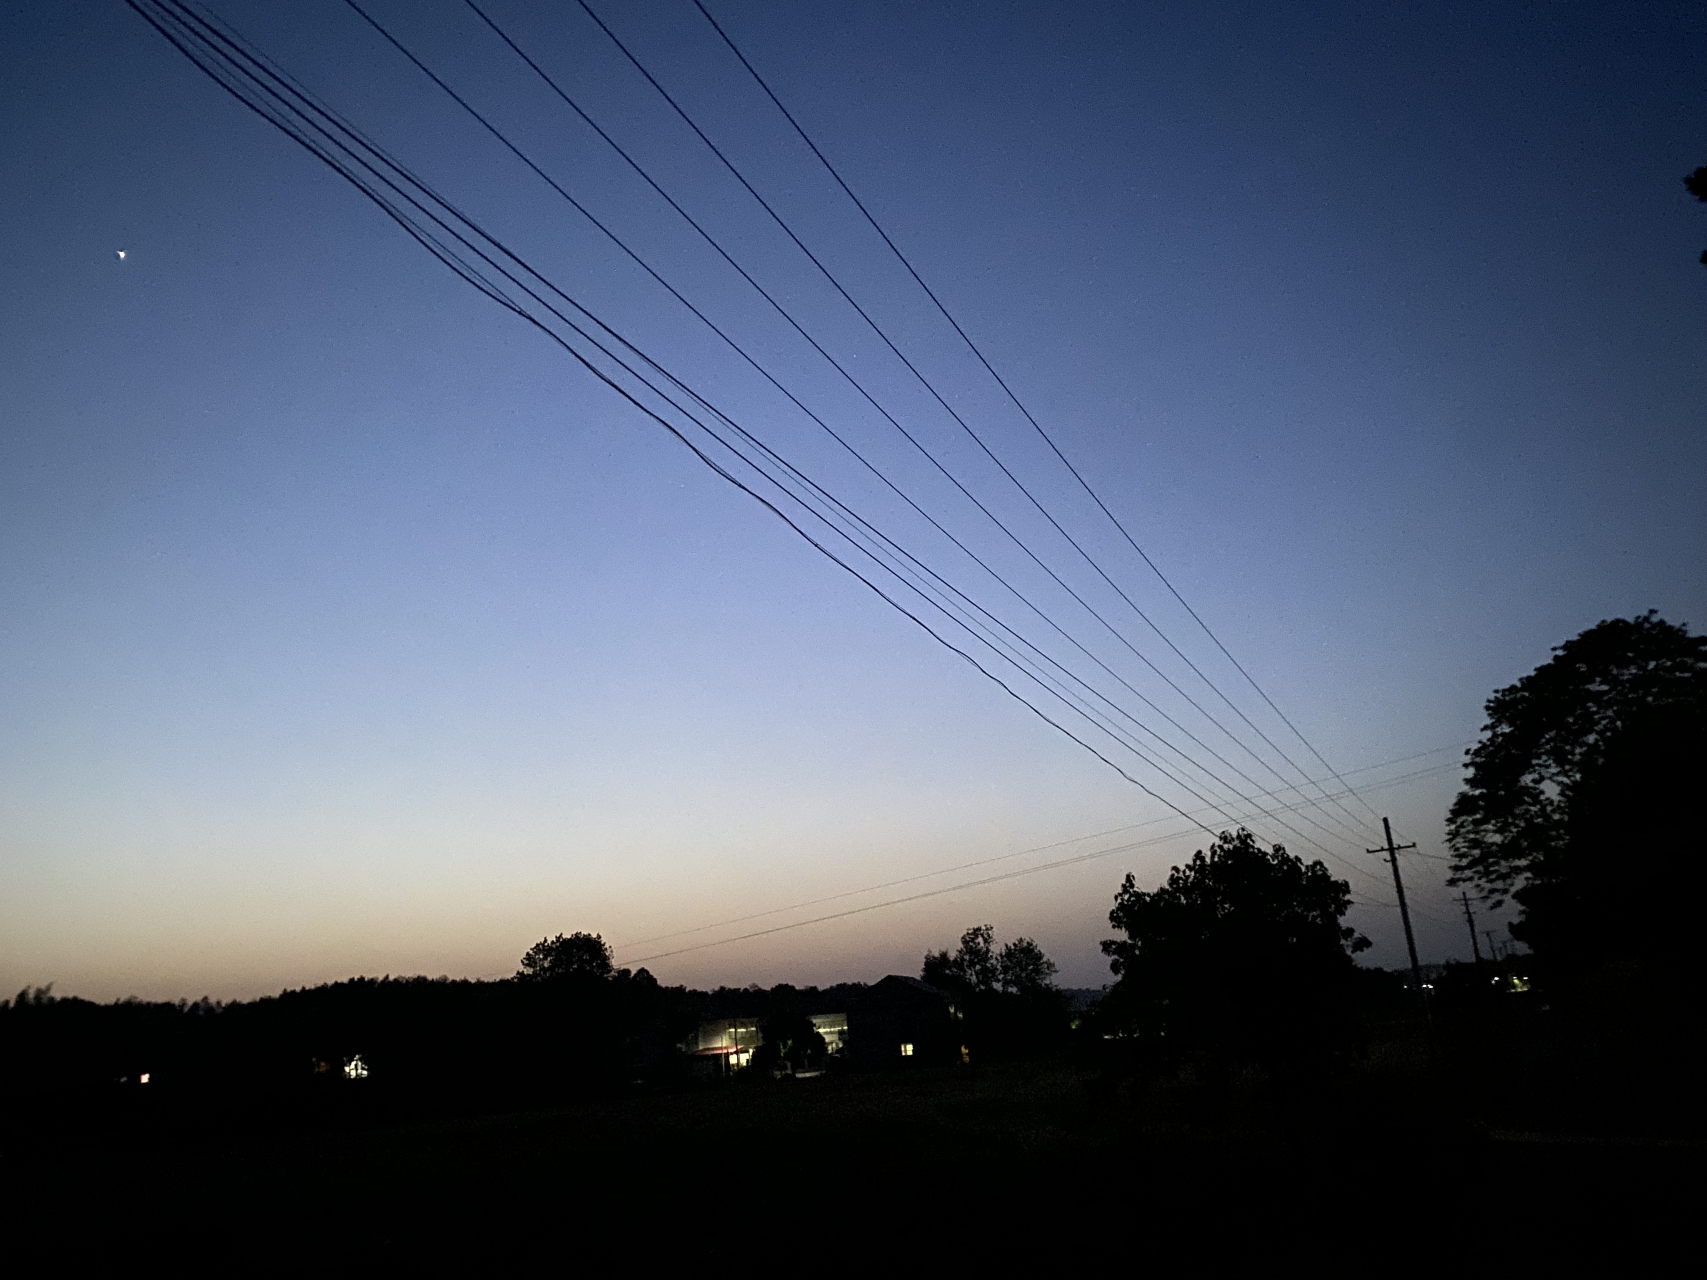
[(1011, 1153)]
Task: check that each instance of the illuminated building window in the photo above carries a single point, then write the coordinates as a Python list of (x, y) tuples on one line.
[(143, 1078), (906, 1051), (834, 1028), (965, 1055), (355, 1068)]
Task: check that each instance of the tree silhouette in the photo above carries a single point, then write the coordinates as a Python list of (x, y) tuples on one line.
[(973, 967), (1241, 952), (580, 955), (1023, 969), (1004, 1001), (789, 1036), (1574, 805)]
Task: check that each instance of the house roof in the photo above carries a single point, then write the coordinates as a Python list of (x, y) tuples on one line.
[(897, 982)]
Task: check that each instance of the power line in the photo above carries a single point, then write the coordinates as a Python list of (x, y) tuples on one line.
[(917, 897), (169, 11), (692, 222), (981, 862), (534, 167), (1047, 438), (964, 425), (222, 72), (485, 123), (895, 902), (877, 329), (437, 80)]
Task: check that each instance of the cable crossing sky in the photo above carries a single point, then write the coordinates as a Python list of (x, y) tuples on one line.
[(1088, 704)]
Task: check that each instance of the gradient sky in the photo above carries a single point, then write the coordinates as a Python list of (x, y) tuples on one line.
[(350, 628)]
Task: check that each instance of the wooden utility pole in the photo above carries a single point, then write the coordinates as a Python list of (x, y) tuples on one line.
[(1469, 919), (1392, 851)]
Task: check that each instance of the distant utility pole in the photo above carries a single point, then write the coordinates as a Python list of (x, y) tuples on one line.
[(1470, 919), (1392, 851), (1493, 946)]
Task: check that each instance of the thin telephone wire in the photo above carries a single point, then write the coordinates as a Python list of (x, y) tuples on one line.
[(1049, 440)]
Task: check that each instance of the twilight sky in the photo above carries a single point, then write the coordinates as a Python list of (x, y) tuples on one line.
[(349, 627)]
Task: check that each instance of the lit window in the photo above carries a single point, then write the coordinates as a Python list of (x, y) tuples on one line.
[(143, 1078), (906, 1051), (355, 1068)]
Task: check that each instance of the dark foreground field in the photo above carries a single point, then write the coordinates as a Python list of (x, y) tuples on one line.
[(800, 1172)]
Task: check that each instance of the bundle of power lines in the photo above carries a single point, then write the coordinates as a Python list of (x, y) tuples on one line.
[(1036, 652)]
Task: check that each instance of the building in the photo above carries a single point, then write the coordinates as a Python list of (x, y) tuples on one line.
[(897, 1023), (722, 1045), (903, 1023)]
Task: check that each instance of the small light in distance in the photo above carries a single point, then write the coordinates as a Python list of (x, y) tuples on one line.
[(119, 254)]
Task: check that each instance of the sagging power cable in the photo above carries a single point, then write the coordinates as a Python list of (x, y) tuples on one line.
[(212, 54), (1049, 440), (499, 134)]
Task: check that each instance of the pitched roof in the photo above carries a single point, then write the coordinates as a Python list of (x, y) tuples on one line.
[(898, 980)]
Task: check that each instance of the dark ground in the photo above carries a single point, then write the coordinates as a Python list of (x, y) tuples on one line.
[(1090, 1165)]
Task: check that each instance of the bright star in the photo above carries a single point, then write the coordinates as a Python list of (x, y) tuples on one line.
[(121, 255)]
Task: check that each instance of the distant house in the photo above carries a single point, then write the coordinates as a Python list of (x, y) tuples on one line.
[(903, 1023), (722, 1045), (897, 1023)]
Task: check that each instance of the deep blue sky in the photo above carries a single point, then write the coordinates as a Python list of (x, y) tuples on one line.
[(349, 627)]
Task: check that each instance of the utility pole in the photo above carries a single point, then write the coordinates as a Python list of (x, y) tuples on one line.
[(1493, 947), (1469, 919), (1392, 851)]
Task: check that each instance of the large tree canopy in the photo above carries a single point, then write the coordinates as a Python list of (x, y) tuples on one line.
[(1240, 951), (971, 967), (1019, 968), (579, 955), (1575, 803)]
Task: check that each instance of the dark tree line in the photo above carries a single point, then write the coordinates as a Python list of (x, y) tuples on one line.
[(569, 1023), (443, 1036)]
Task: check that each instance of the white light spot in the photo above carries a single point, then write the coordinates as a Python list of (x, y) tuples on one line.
[(121, 254)]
